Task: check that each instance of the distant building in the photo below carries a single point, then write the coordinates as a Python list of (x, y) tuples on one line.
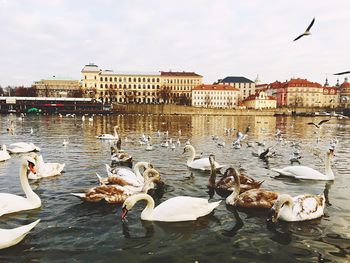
[(244, 85), (215, 96), (61, 87), (260, 100), (344, 93), (132, 87)]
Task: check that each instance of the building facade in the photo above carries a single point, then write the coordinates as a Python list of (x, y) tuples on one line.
[(156, 87), (177, 86), (60, 87), (260, 100), (245, 86), (344, 94), (215, 96)]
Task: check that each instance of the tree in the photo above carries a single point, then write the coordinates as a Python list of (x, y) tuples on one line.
[(184, 100), (1, 91), (164, 94), (78, 93), (207, 100)]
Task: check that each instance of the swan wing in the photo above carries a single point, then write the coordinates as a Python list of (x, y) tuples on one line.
[(183, 208), (10, 203), (308, 207), (200, 164), (10, 237), (300, 172)]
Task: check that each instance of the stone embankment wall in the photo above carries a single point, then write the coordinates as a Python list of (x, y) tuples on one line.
[(189, 110)]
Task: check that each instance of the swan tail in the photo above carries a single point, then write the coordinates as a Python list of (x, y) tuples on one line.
[(280, 171), (79, 195), (214, 205), (100, 179)]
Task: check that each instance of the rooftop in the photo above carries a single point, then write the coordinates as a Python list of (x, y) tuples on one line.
[(215, 87), (179, 74), (234, 79)]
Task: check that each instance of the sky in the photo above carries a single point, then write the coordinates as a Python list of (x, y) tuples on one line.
[(42, 38)]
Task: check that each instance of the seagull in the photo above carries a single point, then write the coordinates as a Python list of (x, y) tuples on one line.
[(319, 124), (342, 73), (307, 31)]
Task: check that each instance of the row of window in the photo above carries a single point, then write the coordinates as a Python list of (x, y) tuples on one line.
[(212, 98), (213, 103)]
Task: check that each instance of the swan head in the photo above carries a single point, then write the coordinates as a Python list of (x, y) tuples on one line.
[(29, 163), (282, 200), (188, 148), (127, 205), (330, 153)]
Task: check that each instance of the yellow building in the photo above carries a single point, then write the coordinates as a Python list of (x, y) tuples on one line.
[(160, 87), (177, 86), (58, 87), (260, 100), (215, 96)]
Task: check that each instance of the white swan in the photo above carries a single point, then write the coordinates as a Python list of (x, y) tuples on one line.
[(298, 208), (176, 209), (11, 237), (4, 155), (44, 169), (23, 147), (107, 136), (10, 203), (305, 172), (199, 164), (130, 176)]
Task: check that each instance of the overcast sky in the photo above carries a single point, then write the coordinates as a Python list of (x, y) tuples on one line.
[(41, 38)]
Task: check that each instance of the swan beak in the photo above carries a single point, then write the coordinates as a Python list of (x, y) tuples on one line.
[(124, 212), (32, 167)]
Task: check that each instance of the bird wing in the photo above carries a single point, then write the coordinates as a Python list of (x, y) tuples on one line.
[(342, 73), (323, 121), (311, 123), (311, 24), (298, 37)]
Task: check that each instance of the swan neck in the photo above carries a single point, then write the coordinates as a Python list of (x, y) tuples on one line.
[(212, 177), (328, 170), (192, 154), (236, 189), (137, 171), (30, 194), (115, 132), (147, 211)]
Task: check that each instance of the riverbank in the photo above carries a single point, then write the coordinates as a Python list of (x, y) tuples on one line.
[(167, 109)]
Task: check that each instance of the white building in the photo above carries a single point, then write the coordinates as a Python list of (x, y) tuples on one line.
[(245, 86), (215, 96), (260, 100)]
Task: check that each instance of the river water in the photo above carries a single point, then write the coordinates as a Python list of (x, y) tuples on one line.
[(73, 231)]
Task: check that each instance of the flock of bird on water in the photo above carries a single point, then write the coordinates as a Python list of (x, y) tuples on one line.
[(126, 184)]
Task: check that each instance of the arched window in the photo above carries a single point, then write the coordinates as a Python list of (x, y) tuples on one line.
[(106, 86), (106, 79), (101, 79)]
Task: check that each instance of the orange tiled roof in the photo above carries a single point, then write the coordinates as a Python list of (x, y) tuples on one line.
[(256, 97), (215, 87), (345, 84), (302, 83)]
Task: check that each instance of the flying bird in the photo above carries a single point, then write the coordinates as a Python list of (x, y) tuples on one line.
[(318, 125), (342, 73), (307, 31)]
